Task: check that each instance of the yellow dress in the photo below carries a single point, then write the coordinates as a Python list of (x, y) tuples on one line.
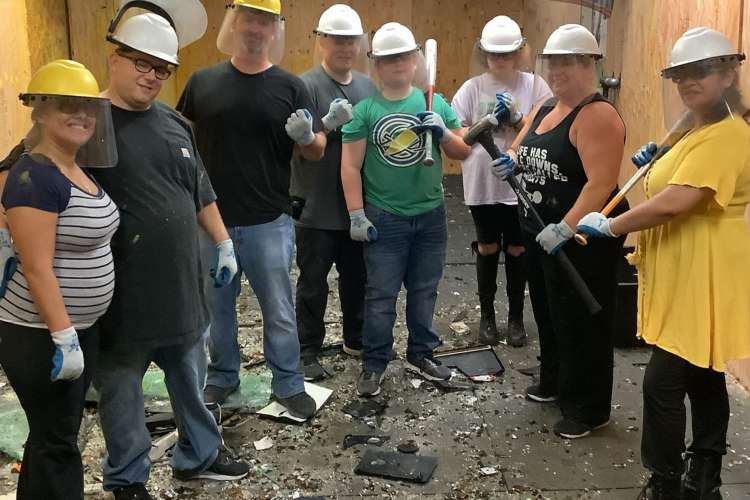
[(694, 271)]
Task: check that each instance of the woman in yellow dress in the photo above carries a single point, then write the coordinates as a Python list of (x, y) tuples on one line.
[(694, 276)]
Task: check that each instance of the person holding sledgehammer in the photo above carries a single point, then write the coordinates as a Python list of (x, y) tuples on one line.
[(569, 152), (694, 279)]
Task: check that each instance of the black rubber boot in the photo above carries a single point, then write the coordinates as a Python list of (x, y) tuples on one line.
[(702, 478), (487, 287), (661, 488)]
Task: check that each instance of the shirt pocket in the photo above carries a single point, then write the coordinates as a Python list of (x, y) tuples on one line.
[(183, 165)]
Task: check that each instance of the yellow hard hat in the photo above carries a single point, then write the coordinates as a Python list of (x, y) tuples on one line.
[(272, 6), (62, 78)]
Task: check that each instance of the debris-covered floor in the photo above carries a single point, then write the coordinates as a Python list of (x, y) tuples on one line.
[(489, 442)]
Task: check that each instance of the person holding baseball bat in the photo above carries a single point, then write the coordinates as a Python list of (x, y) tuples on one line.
[(694, 281), (570, 151), (501, 87), (401, 217)]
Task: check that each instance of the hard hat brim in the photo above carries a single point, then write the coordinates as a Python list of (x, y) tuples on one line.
[(162, 56), (501, 49), (342, 33), (393, 52)]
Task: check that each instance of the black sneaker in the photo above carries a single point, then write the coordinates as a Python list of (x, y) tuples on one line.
[(538, 395), (224, 468), (515, 335), (572, 429), (429, 368), (661, 488), (368, 384), (214, 395), (300, 405), (312, 370), (136, 491)]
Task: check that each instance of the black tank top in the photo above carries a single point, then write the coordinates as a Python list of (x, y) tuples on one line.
[(553, 174)]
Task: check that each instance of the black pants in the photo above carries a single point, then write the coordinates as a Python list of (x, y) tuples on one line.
[(667, 380), (577, 348), (499, 224), (51, 467), (317, 251)]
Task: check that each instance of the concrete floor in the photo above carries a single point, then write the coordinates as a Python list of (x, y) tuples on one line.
[(494, 426)]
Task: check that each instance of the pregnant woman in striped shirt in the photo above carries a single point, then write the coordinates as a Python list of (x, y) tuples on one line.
[(61, 223)]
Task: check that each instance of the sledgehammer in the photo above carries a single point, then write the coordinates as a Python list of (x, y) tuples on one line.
[(481, 132)]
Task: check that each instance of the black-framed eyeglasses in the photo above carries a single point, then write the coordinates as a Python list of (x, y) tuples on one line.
[(161, 71)]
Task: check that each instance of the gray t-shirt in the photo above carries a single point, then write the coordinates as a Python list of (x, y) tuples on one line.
[(319, 182)]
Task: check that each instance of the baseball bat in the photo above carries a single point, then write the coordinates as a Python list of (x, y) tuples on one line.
[(430, 53)]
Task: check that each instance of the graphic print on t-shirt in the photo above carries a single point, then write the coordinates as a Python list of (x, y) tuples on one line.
[(387, 129), (537, 169)]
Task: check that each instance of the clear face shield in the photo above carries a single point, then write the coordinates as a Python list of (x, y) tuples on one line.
[(252, 32), (342, 53), (707, 88), (83, 121), (570, 74), (503, 65), (399, 69)]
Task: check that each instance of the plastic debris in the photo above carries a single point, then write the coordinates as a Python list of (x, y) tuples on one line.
[(263, 444)]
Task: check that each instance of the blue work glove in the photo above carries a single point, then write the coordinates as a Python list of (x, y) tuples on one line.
[(339, 113), (506, 109), (361, 228), (8, 260), (596, 225), (504, 167), (67, 362), (554, 236), (434, 123), (299, 126), (226, 264), (643, 156)]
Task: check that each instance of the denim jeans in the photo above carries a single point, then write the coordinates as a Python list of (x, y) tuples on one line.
[(119, 378), (409, 251), (264, 254)]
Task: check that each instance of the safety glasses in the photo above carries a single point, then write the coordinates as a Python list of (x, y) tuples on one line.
[(161, 71), (74, 106)]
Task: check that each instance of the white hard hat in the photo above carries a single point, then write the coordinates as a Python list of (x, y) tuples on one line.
[(340, 20), (148, 33), (572, 39), (501, 35), (391, 39), (698, 44)]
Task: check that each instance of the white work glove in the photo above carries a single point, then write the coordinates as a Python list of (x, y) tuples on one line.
[(554, 236), (8, 260), (299, 126), (434, 123), (361, 228), (504, 167), (226, 264), (339, 113), (506, 109), (596, 225), (67, 362)]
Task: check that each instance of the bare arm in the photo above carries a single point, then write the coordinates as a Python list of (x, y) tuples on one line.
[(34, 237), (454, 147), (527, 120), (600, 139), (316, 149), (674, 201), (211, 222), (352, 157)]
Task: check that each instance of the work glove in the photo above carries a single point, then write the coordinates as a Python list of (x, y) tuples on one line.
[(226, 264), (67, 362), (361, 228), (554, 236), (299, 126), (643, 156), (504, 167), (434, 123), (506, 109), (8, 260), (339, 113), (596, 225)]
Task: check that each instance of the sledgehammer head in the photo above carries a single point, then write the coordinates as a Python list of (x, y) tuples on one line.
[(487, 123)]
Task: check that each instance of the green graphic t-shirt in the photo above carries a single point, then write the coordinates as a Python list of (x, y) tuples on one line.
[(399, 183)]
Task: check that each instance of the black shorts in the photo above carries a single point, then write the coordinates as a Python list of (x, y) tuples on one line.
[(497, 223)]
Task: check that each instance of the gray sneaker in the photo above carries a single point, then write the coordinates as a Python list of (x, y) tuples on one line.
[(429, 368), (368, 384), (312, 370)]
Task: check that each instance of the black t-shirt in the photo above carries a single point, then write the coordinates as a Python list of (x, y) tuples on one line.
[(239, 123), (159, 184)]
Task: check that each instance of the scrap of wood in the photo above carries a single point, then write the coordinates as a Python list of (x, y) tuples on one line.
[(162, 446)]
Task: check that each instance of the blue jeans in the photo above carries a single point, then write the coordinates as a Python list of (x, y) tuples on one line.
[(119, 378), (409, 250), (264, 254)]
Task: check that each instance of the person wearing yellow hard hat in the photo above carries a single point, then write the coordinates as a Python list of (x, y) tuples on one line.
[(61, 221), (250, 117)]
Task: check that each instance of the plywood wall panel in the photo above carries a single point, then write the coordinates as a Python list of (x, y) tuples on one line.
[(47, 24), (15, 72)]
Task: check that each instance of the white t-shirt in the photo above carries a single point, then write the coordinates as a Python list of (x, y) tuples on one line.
[(474, 100)]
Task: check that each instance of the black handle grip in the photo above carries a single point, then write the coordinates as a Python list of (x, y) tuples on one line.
[(487, 142)]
